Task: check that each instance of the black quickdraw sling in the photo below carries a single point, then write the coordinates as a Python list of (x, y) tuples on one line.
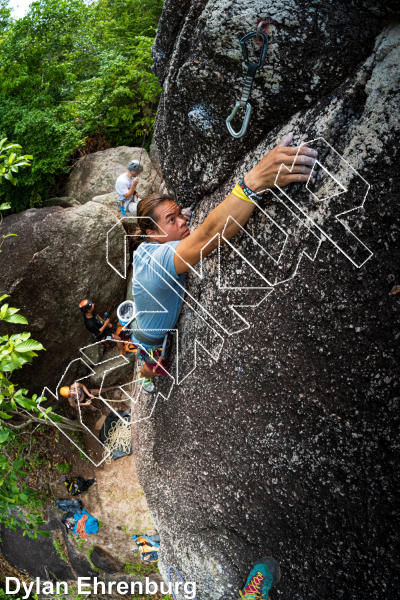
[(252, 69)]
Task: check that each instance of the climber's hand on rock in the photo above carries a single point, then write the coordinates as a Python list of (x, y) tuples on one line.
[(187, 213), (264, 174)]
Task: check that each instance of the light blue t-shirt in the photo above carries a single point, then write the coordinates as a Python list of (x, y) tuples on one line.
[(157, 288)]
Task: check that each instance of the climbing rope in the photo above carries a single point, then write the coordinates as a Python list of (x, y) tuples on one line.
[(180, 577), (147, 126), (109, 399), (118, 438), (140, 158)]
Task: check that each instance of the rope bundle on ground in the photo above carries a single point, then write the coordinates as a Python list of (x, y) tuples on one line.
[(118, 438)]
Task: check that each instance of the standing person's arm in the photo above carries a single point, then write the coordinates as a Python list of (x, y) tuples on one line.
[(87, 391), (200, 243), (131, 190), (105, 324)]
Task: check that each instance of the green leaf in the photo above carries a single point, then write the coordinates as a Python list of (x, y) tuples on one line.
[(55, 418), (26, 404), (4, 415), (17, 464), (44, 533), (4, 433), (5, 206), (10, 235), (29, 345), (8, 366), (4, 295), (19, 319)]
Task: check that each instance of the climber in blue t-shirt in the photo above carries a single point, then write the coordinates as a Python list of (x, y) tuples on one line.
[(168, 249)]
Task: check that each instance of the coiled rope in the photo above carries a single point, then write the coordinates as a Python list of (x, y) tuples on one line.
[(118, 438)]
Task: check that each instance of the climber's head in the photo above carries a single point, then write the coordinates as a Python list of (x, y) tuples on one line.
[(86, 305), (135, 167), (161, 220), (64, 391)]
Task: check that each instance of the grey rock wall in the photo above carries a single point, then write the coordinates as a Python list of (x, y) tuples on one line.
[(57, 260), (313, 46), (286, 442)]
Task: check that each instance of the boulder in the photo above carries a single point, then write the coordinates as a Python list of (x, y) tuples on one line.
[(198, 60), (113, 368), (105, 561), (97, 173), (64, 202), (59, 258), (285, 442), (109, 200)]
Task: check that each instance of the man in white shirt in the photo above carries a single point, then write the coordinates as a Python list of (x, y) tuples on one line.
[(126, 188)]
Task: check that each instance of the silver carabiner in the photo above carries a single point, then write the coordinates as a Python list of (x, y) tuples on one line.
[(246, 120)]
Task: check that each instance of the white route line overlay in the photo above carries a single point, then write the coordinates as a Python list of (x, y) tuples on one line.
[(308, 223)]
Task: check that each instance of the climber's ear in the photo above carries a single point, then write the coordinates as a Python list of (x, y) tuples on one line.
[(286, 140)]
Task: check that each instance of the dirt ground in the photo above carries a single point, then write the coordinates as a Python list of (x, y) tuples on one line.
[(116, 499)]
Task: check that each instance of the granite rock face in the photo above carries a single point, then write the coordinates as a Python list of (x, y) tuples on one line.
[(283, 441), (97, 173), (59, 258), (197, 58), (104, 561)]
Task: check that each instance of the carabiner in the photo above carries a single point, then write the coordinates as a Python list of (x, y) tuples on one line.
[(246, 119), (257, 34), (252, 68)]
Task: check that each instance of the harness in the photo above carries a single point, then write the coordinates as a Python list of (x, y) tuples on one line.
[(158, 345)]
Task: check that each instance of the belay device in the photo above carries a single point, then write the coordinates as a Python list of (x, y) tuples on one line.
[(252, 69)]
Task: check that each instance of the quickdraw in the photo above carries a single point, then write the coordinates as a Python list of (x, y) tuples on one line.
[(252, 69)]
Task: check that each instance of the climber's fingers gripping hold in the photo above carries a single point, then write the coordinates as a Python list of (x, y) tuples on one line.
[(187, 213), (299, 163)]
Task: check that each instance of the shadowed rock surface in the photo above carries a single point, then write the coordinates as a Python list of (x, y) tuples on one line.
[(285, 443), (105, 561), (59, 258), (39, 558), (64, 202)]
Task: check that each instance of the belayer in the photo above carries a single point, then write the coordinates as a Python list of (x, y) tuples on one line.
[(126, 188), (98, 327), (166, 249), (78, 394)]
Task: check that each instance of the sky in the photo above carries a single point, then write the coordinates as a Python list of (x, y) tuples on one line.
[(19, 7)]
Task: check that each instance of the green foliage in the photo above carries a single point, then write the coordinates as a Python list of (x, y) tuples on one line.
[(5, 16), (60, 549), (141, 569), (64, 468), (3, 595), (15, 351), (10, 162), (70, 71)]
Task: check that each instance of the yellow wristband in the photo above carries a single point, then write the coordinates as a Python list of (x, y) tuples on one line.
[(239, 193)]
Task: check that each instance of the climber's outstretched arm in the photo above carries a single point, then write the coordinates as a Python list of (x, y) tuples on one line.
[(200, 243)]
